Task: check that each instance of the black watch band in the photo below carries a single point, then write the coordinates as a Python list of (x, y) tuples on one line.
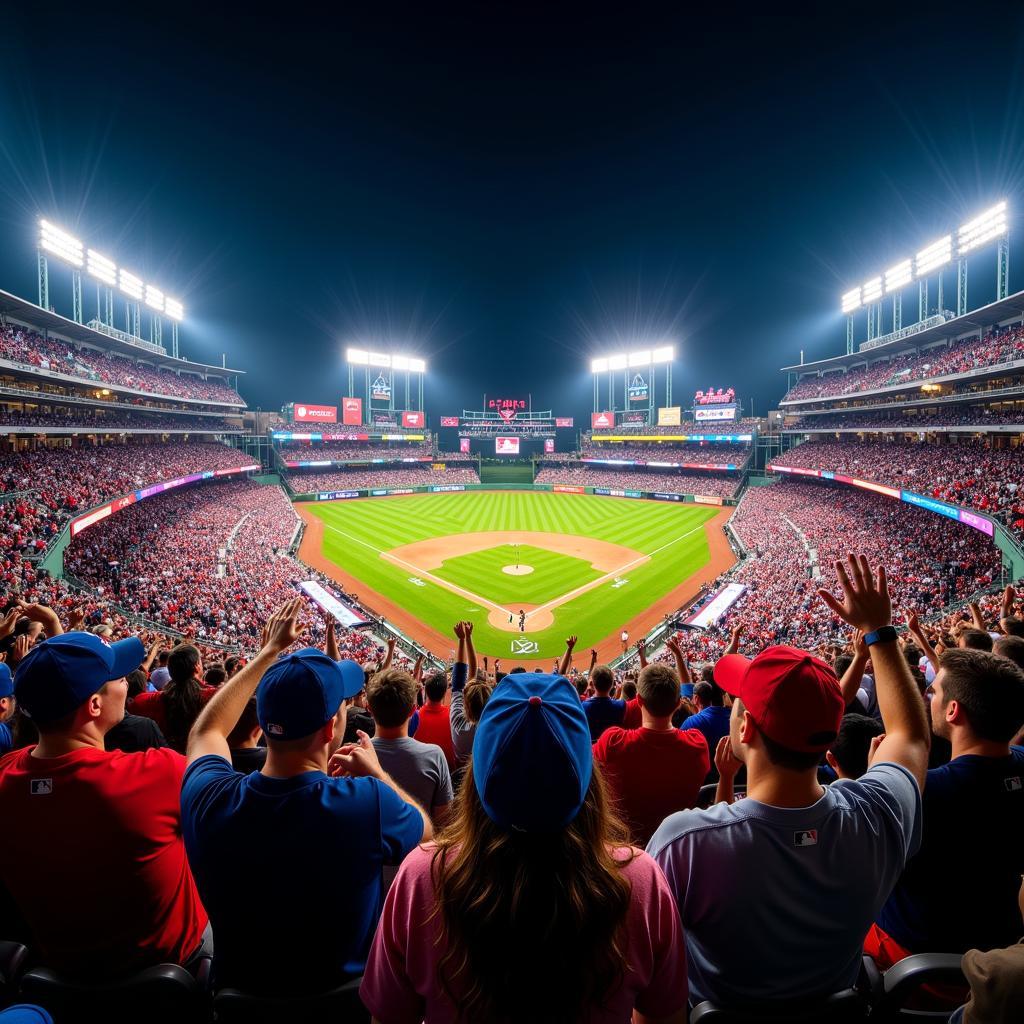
[(884, 634)]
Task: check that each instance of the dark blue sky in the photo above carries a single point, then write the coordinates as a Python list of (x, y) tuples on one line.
[(507, 191)]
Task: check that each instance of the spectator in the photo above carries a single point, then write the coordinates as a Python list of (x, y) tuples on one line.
[(434, 717), (467, 702), (418, 767), (973, 814), (656, 769), (799, 870), (532, 879), (319, 841), (602, 710), (1011, 647), (712, 717), (176, 707), (102, 877), (243, 741), (161, 677), (848, 755), (7, 708)]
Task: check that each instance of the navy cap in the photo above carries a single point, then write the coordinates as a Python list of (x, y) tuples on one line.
[(61, 673), (532, 755), (301, 692), (6, 680)]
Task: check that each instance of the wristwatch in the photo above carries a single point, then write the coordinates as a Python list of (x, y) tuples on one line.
[(882, 635)]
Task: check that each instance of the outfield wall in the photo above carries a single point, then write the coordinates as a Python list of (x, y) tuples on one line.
[(611, 492)]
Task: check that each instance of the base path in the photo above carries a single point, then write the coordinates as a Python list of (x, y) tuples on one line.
[(602, 555)]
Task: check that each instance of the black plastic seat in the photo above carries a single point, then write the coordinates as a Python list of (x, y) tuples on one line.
[(163, 994), (846, 1007), (904, 981), (13, 958), (340, 1005)]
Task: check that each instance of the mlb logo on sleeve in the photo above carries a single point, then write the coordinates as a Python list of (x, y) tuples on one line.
[(806, 837), (1012, 784), (41, 787)]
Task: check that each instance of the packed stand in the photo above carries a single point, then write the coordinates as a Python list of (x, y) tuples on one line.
[(961, 357), (20, 345), (711, 453), (579, 475), (383, 476), (299, 452), (745, 425), (90, 418), (972, 474), (974, 417)]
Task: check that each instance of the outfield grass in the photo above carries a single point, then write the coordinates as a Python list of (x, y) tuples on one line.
[(356, 532)]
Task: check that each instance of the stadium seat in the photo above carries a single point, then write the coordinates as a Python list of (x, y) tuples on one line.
[(164, 994), (904, 981), (846, 1007), (13, 957), (342, 1004), (706, 795)]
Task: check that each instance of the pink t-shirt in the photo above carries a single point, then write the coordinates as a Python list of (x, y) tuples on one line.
[(400, 982)]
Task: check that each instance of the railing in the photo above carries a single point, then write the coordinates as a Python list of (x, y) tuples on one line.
[(128, 339), (905, 332)]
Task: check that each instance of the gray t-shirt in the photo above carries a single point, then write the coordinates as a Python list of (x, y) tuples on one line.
[(419, 768), (775, 901)]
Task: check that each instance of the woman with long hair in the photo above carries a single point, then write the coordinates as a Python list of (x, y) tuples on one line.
[(176, 707), (531, 905)]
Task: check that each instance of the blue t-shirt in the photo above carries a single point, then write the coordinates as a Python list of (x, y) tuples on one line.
[(801, 885), (974, 832), (603, 713), (289, 870), (6, 739), (713, 723)]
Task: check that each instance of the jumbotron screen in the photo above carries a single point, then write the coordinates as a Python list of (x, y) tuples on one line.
[(506, 446)]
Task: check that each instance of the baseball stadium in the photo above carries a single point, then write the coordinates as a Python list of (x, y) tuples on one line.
[(375, 634)]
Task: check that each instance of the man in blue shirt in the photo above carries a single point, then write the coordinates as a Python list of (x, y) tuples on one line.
[(712, 718), (602, 710), (7, 705), (973, 819), (294, 851)]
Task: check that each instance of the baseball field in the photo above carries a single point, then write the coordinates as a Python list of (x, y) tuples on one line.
[(564, 563)]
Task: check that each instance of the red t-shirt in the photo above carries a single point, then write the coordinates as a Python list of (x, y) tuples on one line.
[(153, 705), (633, 718), (94, 858), (435, 727), (652, 774)]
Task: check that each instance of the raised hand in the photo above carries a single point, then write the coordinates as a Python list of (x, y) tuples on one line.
[(866, 605), (727, 763), (570, 642), (76, 619), (460, 630), (8, 622), (282, 628), (356, 760)]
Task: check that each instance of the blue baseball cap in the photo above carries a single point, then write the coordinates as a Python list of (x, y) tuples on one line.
[(6, 681), (302, 691), (532, 755), (61, 673)]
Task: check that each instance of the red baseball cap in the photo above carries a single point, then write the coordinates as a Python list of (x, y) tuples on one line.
[(793, 697)]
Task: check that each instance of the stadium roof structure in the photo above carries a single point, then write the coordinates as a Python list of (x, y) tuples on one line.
[(987, 316), (45, 321)]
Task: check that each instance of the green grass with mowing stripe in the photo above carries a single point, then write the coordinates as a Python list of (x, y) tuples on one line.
[(356, 532)]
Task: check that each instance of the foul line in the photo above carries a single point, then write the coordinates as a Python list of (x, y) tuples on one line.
[(562, 599)]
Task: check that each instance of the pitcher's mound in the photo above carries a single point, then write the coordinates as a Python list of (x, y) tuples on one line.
[(518, 570)]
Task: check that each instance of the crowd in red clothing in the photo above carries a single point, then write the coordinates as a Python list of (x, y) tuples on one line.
[(970, 473), (20, 345), (383, 476), (709, 453), (961, 357), (578, 474), (302, 451), (90, 419), (960, 416)]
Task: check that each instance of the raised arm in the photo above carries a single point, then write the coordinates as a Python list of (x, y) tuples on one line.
[(391, 653), (917, 632), (866, 606), (977, 619), (682, 668), (331, 640), (850, 683), (44, 616), (210, 733), (154, 650), (641, 650), (734, 640), (566, 661), (470, 651)]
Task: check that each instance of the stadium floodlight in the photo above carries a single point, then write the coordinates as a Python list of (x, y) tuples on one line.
[(851, 300), (665, 354), (983, 228), (872, 290), (154, 298), (400, 362), (641, 358), (417, 365), (60, 244), (378, 359), (898, 276), (598, 365), (934, 256), (130, 284), (358, 355), (174, 309), (101, 268), (618, 362)]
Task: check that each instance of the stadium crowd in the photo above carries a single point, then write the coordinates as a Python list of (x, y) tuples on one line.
[(91, 418), (704, 454), (302, 451), (21, 345), (581, 475), (975, 417), (383, 476), (961, 357), (970, 473), (745, 425)]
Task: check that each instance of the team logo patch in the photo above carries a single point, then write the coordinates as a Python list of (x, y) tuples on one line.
[(274, 729), (523, 646), (41, 787), (1012, 784), (806, 837)]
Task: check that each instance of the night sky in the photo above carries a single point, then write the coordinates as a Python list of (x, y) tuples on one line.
[(508, 192)]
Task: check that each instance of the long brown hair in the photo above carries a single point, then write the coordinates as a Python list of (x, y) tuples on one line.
[(531, 924)]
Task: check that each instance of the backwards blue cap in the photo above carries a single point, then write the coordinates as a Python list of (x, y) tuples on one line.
[(532, 755), (61, 673), (301, 692), (6, 681)]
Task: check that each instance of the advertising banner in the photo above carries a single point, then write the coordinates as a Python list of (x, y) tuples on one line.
[(721, 413), (303, 413), (335, 495), (602, 420), (437, 489), (638, 391), (449, 421), (707, 499), (711, 612), (412, 419), (549, 445), (330, 604), (662, 496), (567, 489), (563, 421), (670, 416), (506, 446), (352, 412), (464, 444)]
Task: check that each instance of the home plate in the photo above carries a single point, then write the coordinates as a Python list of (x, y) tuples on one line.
[(518, 570)]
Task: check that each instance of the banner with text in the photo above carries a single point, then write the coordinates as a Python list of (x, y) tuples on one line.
[(352, 412), (412, 419), (669, 416), (602, 420), (303, 413)]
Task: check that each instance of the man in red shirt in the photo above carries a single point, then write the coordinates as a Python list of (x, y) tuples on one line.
[(655, 770), (96, 860), (435, 724)]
